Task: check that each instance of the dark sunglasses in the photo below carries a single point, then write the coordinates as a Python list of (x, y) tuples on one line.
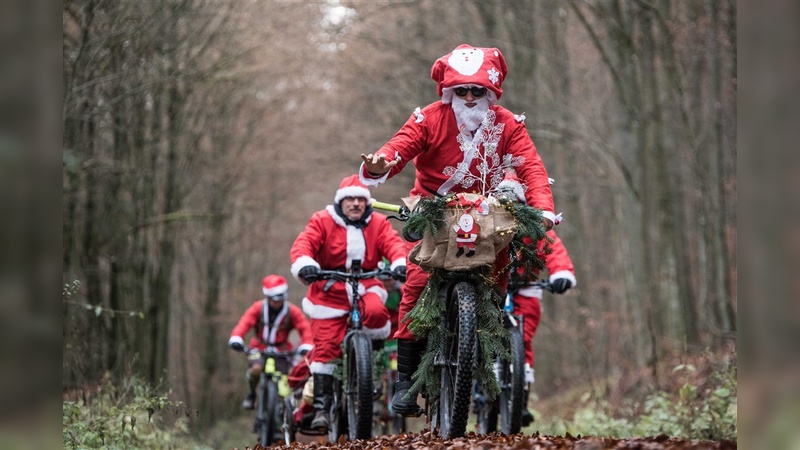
[(277, 298), (477, 92)]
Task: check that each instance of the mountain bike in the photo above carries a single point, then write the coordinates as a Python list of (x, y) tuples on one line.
[(272, 388), (457, 355), (352, 406), (510, 376)]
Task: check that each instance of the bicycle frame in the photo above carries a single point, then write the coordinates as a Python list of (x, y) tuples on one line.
[(356, 403)]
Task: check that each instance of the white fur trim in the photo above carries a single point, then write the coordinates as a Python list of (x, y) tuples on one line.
[(302, 347), (380, 291), (269, 332), (322, 368), (356, 245), (378, 333), (564, 274), (321, 311), (550, 215), (234, 339), (531, 292), (370, 181), (301, 262), (398, 262), (277, 290), (351, 191)]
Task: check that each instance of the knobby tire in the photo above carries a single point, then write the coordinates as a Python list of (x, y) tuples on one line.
[(459, 359), (512, 396), (359, 386), (266, 411)]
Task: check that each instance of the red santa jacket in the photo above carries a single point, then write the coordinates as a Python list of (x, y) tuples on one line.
[(328, 242), (558, 265), (273, 333), (431, 138)]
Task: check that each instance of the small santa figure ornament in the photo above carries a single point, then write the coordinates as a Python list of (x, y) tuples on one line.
[(466, 234)]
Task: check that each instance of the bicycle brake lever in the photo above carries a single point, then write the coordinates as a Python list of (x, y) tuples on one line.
[(328, 284)]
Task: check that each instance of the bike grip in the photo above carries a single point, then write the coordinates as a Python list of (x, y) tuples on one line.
[(386, 206)]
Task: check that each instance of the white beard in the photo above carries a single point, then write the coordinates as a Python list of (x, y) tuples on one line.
[(470, 119)]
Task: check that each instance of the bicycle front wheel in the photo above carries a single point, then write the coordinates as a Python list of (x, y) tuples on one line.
[(512, 385), (458, 361), (268, 396), (359, 386)]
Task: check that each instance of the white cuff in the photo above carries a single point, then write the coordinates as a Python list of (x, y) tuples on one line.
[(398, 262), (564, 274), (300, 263), (302, 347), (550, 215), (323, 368), (378, 333), (235, 339), (368, 181)]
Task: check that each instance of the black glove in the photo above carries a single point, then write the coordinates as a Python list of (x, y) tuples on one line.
[(308, 273), (302, 352), (238, 346), (400, 273), (560, 285)]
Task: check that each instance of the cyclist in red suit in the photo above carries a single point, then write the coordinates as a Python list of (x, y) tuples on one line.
[(271, 319), (345, 231), (527, 298), (459, 144)]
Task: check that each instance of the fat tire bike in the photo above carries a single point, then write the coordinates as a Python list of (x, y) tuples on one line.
[(510, 376), (270, 393), (352, 407), (457, 357)]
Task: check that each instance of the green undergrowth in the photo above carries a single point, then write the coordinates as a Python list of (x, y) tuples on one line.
[(126, 415), (698, 410)]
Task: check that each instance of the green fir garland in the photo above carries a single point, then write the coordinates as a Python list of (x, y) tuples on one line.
[(426, 316)]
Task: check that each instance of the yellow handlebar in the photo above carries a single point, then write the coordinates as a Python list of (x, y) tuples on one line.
[(386, 206)]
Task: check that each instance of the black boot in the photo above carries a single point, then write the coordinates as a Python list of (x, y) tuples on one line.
[(323, 398), (527, 417), (249, 401), (409, 354)]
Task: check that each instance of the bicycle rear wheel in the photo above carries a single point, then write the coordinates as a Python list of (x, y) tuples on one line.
[(512, 385), (358, 392), (267, 398), (458, 362)]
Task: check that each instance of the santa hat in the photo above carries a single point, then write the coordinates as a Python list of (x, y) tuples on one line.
[(468, 65), (274, 285), (351, 187), (512, 183)]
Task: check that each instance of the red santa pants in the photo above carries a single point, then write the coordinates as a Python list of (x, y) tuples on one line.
[(416, 279), (329, 333), (531, 310)]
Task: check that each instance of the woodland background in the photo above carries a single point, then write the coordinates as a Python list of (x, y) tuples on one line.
[(199, 137)]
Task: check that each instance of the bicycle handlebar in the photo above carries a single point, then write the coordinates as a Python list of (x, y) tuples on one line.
[(403, 211), (274, 354), (545, 285), (339, 275)]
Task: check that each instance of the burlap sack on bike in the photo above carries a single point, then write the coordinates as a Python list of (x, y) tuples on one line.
[(448, 249)]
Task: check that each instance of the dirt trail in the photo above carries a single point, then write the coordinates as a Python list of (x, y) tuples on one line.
[(427, 441)]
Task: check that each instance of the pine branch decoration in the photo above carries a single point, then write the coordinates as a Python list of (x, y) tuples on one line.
[(426, 316)]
